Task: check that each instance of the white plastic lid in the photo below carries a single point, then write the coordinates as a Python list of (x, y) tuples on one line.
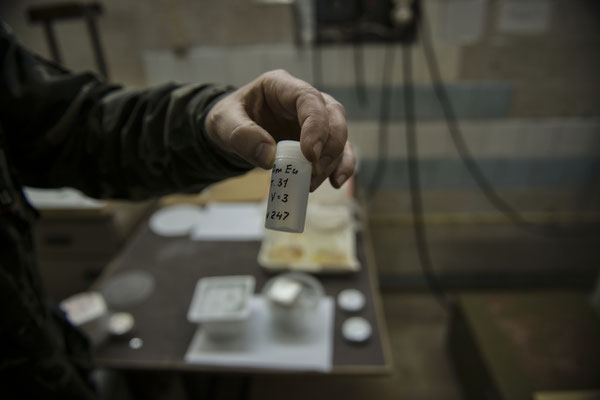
[(351, 300), (289, 148), (356, 329), (120, 323), (136, 343)]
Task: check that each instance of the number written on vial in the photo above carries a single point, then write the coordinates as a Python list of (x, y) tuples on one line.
[(278, 215), (282, 197)]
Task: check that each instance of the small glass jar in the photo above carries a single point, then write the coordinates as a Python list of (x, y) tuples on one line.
[(290, 185), (293, 300)]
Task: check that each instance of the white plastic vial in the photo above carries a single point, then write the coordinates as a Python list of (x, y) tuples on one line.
[(290, 184)]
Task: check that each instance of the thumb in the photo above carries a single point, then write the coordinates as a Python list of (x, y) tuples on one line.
[(240, 134)]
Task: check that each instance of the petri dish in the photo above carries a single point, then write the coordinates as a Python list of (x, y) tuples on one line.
[(127, 288)]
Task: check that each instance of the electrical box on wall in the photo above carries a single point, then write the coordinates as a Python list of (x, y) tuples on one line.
[(339, 21)]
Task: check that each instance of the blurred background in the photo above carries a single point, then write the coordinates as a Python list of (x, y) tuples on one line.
[(522, 79)]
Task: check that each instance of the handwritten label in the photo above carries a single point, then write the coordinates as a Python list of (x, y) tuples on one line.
[(281, 180), (278, 215), (288, 169)]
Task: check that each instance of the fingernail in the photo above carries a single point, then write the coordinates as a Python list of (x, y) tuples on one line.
[(265, 154), (324, 163), (340, 180), (317, 150)]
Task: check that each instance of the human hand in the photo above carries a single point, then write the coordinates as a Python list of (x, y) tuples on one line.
[(276, 106)]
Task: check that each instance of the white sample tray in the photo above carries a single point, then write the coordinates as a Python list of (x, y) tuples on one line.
[(328, 244), (221, 298), (263, 347)]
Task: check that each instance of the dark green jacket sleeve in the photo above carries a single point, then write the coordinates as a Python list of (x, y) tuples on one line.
[(72, 129)]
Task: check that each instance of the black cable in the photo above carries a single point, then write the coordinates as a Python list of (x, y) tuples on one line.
[(384, 121), (471, 165), (416, 200)]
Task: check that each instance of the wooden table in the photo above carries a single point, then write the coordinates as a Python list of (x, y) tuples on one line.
[(178, 263)]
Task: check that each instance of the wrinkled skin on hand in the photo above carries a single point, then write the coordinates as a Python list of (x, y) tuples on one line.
[(276, 106)]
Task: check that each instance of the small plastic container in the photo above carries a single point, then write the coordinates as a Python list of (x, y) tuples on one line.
[(222, 305), (290, 185)]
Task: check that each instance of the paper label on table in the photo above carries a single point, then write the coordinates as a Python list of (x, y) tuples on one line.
[(175, 220), (263, 347), (236, 221)]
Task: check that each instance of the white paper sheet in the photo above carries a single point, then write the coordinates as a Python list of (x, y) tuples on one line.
[(262, 347), (177, 220), (64, 198), (230, 221)]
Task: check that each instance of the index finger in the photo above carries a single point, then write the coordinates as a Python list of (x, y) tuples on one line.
[(297, 99)]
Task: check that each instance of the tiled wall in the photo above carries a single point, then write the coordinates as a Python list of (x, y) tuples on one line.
[(524, 154), (510, 139), (513, 152), (238, 64)]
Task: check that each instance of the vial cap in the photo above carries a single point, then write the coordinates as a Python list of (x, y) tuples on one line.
[(289, 148)]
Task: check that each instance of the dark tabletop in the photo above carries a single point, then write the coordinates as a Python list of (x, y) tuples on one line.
[(178, 263)]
